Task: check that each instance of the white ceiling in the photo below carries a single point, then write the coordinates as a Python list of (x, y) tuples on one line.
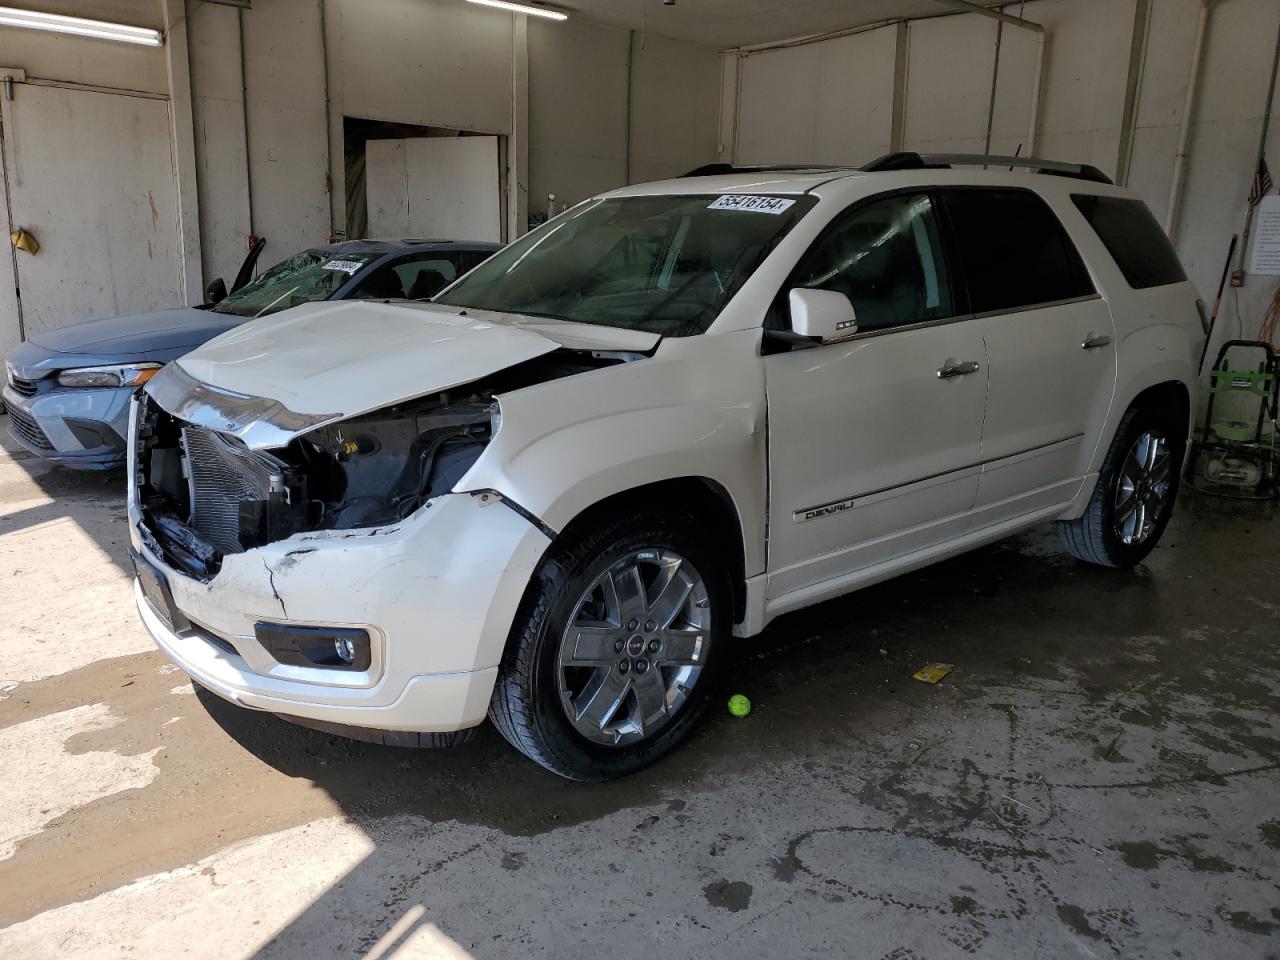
[(730, 23)]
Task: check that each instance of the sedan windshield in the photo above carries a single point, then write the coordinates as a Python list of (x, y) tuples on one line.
[(665, 265), (311, 275)]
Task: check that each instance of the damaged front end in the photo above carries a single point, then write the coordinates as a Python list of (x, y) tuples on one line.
[(203, 493)]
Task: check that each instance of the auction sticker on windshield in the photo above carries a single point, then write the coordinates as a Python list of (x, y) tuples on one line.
[(750, 202), (346, 266)]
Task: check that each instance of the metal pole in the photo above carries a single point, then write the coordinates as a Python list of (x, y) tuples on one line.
[(1184, 136), (995, 78), (1238, 279)]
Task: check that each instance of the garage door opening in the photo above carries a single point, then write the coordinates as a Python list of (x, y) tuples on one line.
[(407, 180)]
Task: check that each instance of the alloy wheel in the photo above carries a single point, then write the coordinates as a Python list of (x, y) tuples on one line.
[(1142, 488), (634, 647)]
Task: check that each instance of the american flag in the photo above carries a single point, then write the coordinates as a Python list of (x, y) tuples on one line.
[(1262, 183)]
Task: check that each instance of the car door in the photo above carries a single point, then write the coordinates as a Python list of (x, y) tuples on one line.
[(873, 440), (1050, 346)]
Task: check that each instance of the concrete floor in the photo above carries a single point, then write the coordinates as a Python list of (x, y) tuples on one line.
[(1098, 778)]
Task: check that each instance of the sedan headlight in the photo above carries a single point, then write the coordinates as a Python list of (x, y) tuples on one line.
[(125, 375)]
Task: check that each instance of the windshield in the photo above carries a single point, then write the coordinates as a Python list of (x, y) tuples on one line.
[(311, 275), (664, 265)]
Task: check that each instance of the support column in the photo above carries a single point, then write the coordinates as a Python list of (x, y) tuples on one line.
[(518, 142), (182, 140)]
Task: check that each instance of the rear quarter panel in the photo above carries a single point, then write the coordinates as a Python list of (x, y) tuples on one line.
[(1158, 332)]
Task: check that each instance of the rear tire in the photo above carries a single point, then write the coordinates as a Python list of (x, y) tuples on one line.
[(1135, 492), (617, 647)]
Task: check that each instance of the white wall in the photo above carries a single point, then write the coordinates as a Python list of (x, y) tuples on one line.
[(307, 63), (578, 109), (816, 103), (829, 101), (76, 61)]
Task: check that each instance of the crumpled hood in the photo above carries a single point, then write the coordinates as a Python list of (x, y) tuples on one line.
[(161, 335), (318, 363)]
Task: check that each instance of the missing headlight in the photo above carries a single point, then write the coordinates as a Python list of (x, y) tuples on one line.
[(377, 469)]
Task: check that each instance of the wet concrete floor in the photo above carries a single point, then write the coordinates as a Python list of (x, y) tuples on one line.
[(1098, 777)]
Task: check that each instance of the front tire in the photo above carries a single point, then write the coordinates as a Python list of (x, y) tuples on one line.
[(1134, 495), (617, 647)]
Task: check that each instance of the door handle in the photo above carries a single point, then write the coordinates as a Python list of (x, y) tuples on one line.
[(957, 368), (1092, 342)]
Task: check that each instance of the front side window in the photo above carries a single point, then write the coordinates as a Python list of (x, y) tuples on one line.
[(1135, 241), (311, 275), (664, 264), (1013, 251), (886, 257)]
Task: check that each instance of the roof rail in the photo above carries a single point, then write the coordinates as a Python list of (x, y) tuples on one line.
[(935, 161), (724, 169)]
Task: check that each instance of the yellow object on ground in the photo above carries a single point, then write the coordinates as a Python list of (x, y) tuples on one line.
[(933, 672), (739, 705)]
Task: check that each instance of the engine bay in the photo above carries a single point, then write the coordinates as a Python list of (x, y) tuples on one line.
[(204, 494)]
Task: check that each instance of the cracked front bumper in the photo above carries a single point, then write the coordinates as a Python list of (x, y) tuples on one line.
[(437, 594)]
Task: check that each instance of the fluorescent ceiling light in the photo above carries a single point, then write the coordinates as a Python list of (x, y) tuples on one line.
[(523, 8), (97, 29)]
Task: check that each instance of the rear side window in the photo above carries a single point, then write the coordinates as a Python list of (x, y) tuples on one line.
[(1134, 239), (1013, 251)]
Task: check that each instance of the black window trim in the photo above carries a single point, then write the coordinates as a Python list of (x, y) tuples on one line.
[(783, 338), (954, 251)]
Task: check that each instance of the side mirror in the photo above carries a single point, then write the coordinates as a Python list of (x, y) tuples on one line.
[(822, 315), (216, 292)]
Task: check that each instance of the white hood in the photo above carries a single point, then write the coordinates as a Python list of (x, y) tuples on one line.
[(323, 362)]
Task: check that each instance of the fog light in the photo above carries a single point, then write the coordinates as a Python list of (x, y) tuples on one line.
[(337, 648)]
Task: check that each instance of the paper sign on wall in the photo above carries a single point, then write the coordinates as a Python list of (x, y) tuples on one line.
[(750, 202), (1266, 238)]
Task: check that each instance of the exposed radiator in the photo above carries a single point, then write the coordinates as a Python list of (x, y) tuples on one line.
[(222, 475)]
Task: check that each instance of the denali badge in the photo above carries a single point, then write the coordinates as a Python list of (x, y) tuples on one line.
[(812, 513)]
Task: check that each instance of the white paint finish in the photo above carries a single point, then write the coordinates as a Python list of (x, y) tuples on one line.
[(577, 111), (438, 187), (844, 115), (869, 423), (1045, 393), (59, 778), (108, 233), (871, 420), (305, 356), (431, 62)]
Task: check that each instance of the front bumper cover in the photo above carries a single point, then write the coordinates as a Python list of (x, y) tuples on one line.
[(437, 593)]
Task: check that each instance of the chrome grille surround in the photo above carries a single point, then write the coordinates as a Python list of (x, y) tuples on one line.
[(222, 474)]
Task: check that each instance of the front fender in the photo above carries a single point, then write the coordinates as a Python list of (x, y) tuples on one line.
[(695, 409)]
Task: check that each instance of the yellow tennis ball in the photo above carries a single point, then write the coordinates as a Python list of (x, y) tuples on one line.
[(739, 705)]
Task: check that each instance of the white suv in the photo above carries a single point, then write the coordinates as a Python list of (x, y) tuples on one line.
[(674, 412)]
